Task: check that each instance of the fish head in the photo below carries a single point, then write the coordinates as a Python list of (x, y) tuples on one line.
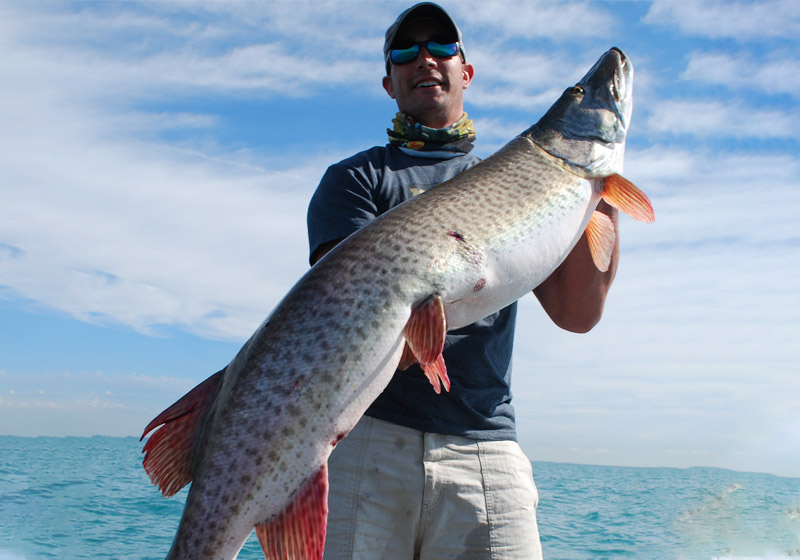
[(587, 126)]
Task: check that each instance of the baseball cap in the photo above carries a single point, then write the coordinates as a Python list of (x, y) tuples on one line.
[(422, 10)]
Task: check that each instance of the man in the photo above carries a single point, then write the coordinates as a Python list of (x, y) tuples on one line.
[(427, 476)]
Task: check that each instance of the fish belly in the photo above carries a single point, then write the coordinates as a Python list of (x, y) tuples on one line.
[(512, 269)]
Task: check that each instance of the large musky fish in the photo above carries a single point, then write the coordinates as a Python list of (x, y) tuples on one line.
[(254, 438)]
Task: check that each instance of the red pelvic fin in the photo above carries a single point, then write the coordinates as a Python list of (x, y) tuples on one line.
[(435, 372), (425, 332), (298, 532), (601, 237), (168, 452), (622, 194), (408, 358)]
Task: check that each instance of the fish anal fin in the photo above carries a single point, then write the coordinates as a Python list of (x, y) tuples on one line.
[(622, 194), (168, 451), (299, 530), (601, 237), (425, 333)]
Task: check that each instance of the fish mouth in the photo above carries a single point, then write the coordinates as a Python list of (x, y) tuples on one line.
[(604, 102), (610, 82), (621, 87), (587, 126)]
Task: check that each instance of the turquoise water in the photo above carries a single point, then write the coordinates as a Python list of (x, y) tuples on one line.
[(80, 498)]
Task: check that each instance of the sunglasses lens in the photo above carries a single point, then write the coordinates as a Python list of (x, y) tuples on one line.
[(402, 56), (442, 50), (439, 50)]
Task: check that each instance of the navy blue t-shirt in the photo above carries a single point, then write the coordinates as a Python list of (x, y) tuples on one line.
[(351, 194)]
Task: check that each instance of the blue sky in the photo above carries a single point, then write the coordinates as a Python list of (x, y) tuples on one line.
[(156, 160)]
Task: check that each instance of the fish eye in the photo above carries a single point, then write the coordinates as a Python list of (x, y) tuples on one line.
[(577, 90)]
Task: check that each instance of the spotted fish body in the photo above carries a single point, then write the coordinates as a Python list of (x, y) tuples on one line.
[(254, 438)]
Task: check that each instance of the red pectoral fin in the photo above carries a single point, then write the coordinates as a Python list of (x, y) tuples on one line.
[(622, 194), (299, 530), (601, 237), (168, 452), (425, 332)]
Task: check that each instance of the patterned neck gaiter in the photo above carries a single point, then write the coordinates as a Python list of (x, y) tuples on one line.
[(458, 137)]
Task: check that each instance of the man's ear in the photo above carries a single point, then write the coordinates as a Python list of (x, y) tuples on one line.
[(468, 72), (387, 85)]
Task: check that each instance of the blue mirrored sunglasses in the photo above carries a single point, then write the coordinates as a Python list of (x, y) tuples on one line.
[(409, 54)]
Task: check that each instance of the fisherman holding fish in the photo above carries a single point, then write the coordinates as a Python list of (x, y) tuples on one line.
[(422, 474), (426, 475)]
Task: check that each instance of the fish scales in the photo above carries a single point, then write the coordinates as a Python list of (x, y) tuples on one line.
[(254, 439), (363, 289), (500, 210), (324, 350)]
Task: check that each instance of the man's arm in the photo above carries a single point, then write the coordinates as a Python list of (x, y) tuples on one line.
[(575, 293), (341, 204), (323, 249)]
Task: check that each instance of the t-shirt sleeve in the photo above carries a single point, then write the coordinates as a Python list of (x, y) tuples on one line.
[(342, 204)]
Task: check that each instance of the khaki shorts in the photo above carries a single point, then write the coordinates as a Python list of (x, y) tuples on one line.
[(398, 493)]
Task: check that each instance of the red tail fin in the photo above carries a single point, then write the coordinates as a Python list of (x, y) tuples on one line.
[(168, 452)]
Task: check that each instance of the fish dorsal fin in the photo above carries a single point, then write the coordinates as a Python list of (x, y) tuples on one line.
[(622, 194), (425, 332), (299, 530), (601, 237), (168, 452)]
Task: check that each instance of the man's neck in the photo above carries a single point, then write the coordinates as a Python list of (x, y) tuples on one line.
[(437, 119)]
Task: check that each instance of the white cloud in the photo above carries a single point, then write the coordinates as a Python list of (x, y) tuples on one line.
[(102, 220), (98, 223), (530, 20), (492, 134), (643, 383), (520, 80), (776, 74), (217, 58), (258, 70), (720, 119), (742, 21), (149, 235)]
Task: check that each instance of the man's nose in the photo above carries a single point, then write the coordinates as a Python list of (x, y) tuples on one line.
[(424, 57)]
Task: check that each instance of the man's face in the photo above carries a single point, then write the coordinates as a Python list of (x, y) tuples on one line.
[(429, 89)]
